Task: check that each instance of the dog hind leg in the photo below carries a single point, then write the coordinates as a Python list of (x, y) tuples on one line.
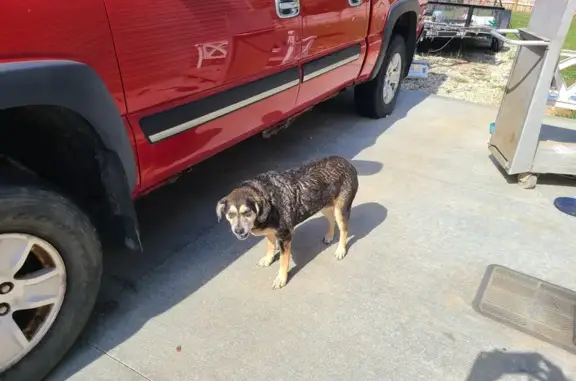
[(329, 214), (342, 208), (342, 216)]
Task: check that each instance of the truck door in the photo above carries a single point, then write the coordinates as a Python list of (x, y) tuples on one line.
[(201, 75), (333, 45)]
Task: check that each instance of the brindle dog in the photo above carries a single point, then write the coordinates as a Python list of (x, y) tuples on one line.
[(273, 203)]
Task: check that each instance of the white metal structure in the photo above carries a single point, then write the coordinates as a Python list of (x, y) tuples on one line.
[(521, 143), (561, 95)]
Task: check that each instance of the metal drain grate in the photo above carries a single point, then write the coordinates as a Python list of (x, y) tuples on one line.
[(530, 305)]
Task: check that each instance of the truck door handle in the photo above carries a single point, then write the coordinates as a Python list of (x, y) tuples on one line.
[(288, 8), (355, 3)]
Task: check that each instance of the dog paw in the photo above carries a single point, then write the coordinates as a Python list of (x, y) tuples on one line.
[(266, 261), (328, 239), (340, 253), (279, 282)]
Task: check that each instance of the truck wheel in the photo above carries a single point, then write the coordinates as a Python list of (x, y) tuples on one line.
[(377, 98), (50, 270)]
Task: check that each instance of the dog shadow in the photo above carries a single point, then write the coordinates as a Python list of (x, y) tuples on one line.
[(308, 244), (366, 167)]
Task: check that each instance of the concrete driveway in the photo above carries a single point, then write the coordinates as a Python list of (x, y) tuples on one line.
[(431, 214)]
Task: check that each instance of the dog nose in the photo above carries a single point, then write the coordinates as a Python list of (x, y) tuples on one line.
[(239, 231)]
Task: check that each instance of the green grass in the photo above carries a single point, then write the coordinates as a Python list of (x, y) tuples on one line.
[(520, 20)]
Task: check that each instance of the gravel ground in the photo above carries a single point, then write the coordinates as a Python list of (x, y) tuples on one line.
[(472, 73)]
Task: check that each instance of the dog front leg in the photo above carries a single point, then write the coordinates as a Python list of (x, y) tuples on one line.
[(285, 253), (267, 260)]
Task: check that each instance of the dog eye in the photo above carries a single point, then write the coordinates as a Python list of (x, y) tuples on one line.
[(247, 213), (231, 215)]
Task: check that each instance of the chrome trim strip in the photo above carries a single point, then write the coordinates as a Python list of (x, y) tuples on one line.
[(331, 67), (218, 113)]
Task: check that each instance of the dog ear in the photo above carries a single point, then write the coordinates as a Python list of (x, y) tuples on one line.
[(220, 208), (263, 209)]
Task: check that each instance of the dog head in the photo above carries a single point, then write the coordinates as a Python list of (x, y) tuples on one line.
[(242, 208)]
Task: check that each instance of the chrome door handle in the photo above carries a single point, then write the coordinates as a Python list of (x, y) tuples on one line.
[(288, 8), (355, 3)]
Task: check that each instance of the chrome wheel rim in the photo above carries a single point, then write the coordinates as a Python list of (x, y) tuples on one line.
[(32, 289), (392, 77)]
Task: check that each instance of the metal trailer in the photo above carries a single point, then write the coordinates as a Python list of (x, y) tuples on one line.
[(447, 20), (520, 142)]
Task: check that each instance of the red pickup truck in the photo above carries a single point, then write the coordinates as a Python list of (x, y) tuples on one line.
[(102, 101)]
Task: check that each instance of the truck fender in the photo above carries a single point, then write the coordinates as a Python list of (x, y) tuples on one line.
[(77, 87), (396, 10)]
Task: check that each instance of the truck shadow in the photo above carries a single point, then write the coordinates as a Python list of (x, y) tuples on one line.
[(182, 216)]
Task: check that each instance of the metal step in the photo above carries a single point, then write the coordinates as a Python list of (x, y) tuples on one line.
[(528, 304)]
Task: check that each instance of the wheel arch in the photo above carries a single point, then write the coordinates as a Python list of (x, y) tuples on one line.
[(402, 19), (64, 111)]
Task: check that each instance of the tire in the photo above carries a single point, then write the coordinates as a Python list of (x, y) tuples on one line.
[(496, 45), (47, 217), (369, 96)]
